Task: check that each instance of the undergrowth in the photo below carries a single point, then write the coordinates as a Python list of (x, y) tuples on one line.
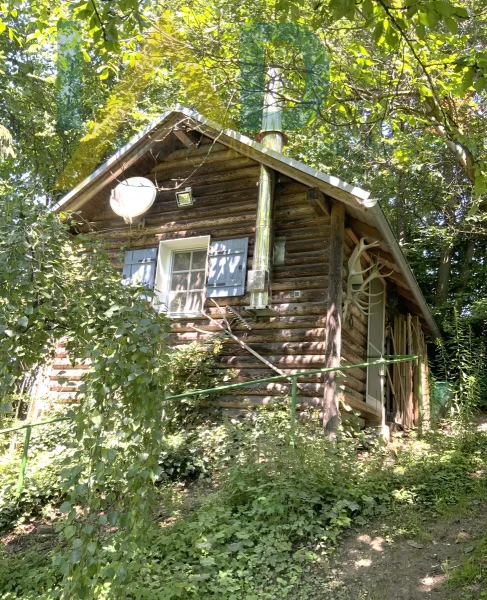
[(472, 572), (49, 446), (259, 513)]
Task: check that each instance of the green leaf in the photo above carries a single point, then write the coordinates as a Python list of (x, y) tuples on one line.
[(23, 321), (74, 556), (445, 8), (378, 31), (468, 79), (461, 12), (451, 24), (69, 531), (420, 30), (480, 83), (367, 9)]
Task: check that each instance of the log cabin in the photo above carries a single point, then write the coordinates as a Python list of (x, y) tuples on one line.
[(302, 270)]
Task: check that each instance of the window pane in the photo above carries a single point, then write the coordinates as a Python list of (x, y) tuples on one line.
[(187, 282), (179, 282), (194, 302), (197, 280), (177, 302), (181, 261), (199, 259)]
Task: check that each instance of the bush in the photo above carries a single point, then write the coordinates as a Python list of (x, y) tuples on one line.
[(50, 445), (272, 510), (28, 576), (192, 367), (277, 507), (182, 459)]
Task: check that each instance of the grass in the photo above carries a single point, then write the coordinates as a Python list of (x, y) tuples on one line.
[(471, 575), (266, 516)]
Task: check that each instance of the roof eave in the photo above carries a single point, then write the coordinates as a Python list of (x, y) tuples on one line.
[(65, 203), (385, 229)]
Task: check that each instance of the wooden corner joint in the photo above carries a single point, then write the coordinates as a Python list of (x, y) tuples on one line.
[(320, 203)]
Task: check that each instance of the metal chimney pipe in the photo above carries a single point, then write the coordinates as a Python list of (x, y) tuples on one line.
[(271, 137)]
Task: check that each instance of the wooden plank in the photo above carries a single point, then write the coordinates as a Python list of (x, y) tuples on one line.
[(367, 411), (409, 372), (292, 362), (184, 137), (195, 155), (269, 335), (165, 216), (210, 178), (371, 234), (204, 167), (285, 348), (166, 201), (208, 224), (259, 327)]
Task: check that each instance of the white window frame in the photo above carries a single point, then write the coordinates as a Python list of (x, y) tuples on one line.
[(167, 248), (371, 348)]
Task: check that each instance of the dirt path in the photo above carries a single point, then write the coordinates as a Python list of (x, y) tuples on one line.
[(380, 563), (407, 556)]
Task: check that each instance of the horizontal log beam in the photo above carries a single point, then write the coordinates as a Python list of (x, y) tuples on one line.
[(194, 156), (226, 176), (318, 202), (205, 166), (271, 336)]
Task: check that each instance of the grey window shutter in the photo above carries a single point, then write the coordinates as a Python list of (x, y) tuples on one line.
[(227, 267), (139, 267)]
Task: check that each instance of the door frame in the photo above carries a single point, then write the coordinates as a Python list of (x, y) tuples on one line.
[(372, 349)]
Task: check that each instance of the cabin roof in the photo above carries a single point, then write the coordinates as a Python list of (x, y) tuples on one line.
[(361, 208)]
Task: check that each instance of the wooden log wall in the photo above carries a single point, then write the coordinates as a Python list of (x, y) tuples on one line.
[(354, 350), (225, 191)]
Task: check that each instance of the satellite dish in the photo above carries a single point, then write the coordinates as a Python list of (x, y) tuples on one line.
[(133, 197)]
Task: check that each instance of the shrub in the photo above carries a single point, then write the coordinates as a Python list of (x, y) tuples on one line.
[(192, 367), (50, 445), (272, 510), (182, 459), (463, 358)]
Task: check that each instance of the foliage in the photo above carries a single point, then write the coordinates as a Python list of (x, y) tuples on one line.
[(407, 86), (407, 83), (182, 458), (54, 286), (192, 367), (462, 358), (49, 447), (472, 572), (273, 510), (28, 575), (5, 143), (278, 508)]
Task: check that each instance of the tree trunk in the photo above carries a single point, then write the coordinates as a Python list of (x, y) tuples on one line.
[(444, 274), (399, 207), (466, 267), (452, 202), (333, 341)]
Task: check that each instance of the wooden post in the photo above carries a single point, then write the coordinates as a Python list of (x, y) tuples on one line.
[(333, 341)]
